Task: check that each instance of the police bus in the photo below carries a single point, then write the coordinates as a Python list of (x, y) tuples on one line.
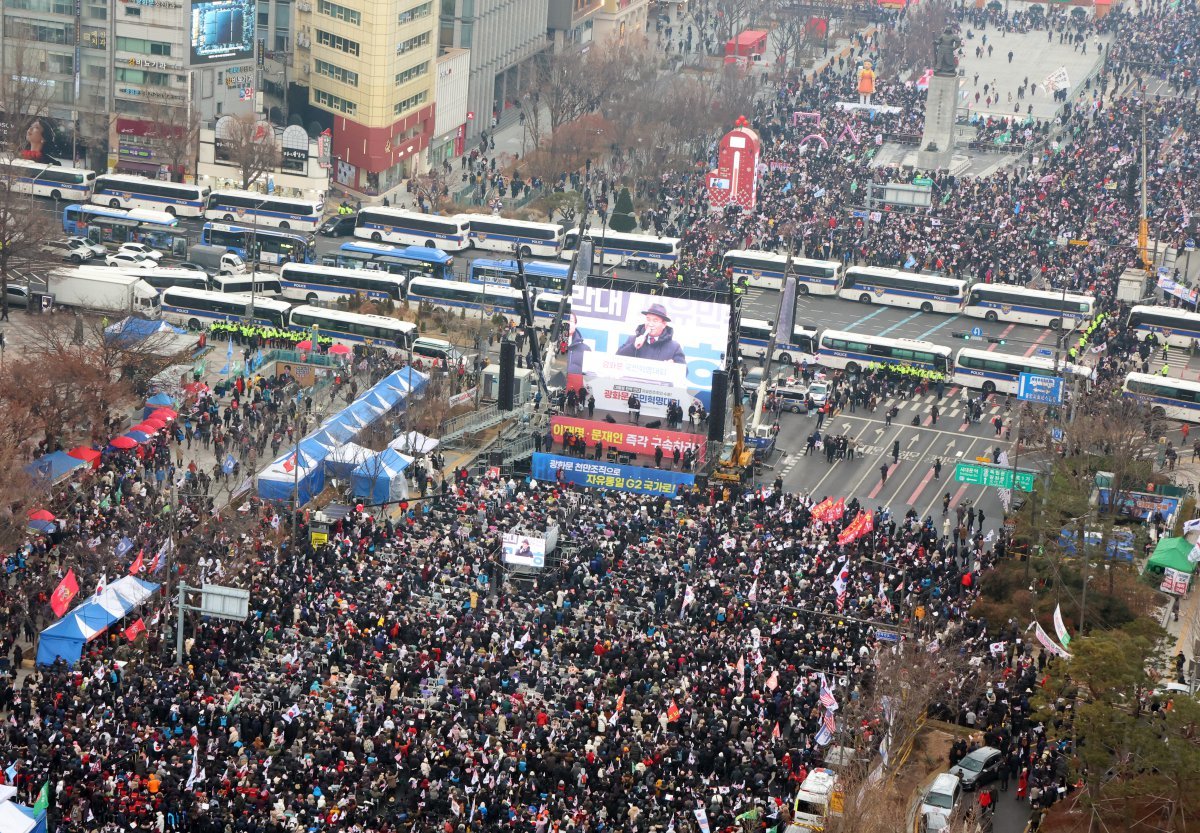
[(1166, 396), (766, 270), (411, 228), (893, 287), (854, 351), (992, 372), (1018, 305), (1176, 327)]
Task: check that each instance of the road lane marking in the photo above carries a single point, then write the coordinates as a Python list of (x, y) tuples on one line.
[(899, 323), (933, 330), (865, 318)]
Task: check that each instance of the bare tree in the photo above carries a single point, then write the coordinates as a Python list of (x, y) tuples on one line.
[(250, 145), (730, 17), (24, 226), (908, 47), (177, 134)]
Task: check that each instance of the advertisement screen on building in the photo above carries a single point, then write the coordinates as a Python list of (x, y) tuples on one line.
[(222, 30), (656, 347)]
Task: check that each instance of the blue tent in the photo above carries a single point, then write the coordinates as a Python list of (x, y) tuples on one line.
[(132, 330), (161, 400), (382, 478), (281, 479), (51, 468), (66, 637)]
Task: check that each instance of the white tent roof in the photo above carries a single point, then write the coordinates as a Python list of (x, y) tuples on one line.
[(414, 442), (12, 820), (350, 453)]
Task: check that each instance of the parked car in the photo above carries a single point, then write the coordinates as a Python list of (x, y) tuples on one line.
[(941, 799), (97, 249), (68, 250), (191, 267), (341, 225), (141, 249), (979, 767), (128, 259), (18, 295), (818, 393)]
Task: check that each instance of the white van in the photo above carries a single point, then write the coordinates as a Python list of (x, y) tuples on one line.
[(811, 806), (941, 799), (436, 348)]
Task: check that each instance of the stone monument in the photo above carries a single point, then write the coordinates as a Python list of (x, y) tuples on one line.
[(941, 102)]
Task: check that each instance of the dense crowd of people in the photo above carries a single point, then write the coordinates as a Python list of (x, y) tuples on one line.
[(675, 654)]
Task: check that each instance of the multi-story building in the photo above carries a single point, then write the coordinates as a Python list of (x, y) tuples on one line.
[(504, 37), (371, 67), (620, 21), (450, 120), (570, 23), (119, 75), (60, 51)]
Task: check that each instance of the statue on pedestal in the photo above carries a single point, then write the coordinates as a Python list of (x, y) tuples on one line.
[(945, 52)]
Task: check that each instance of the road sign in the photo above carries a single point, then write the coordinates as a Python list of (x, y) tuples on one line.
[(1056, 434), (1044, 389), (1189, 245), (979, 474), (887, 636), (859, 213), (1045, 351), (977, 332)]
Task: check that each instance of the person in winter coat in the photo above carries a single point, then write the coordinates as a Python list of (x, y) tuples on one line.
[(576, 347), (654, 339)]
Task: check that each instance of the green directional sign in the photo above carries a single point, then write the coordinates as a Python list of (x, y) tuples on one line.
[(980, 474)]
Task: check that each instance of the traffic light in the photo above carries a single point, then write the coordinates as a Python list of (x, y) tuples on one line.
[(960, 334), (995, 340)]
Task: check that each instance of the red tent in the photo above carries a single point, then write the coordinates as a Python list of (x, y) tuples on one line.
[(165, 414), (123, 442), (41, 515), (87, 454)]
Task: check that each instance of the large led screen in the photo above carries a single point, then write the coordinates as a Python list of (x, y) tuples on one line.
[(222, 30)]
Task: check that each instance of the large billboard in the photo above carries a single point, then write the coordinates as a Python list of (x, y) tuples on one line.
[(633, 439), (222, 30), (659, 348), (525, 550)]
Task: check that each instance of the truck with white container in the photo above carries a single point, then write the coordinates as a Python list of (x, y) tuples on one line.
[(216, 260), (104, 290)]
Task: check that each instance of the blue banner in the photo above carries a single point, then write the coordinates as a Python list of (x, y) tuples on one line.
[(1141, 505), (597, 474)]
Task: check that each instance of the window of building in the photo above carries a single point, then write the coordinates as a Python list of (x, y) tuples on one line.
[(133, 11), (45, 6), (144, 47), (412, 43), (411, 73), (411, 102), (61, 64), (339, 12), (19, 27), (337, 42), (415, 13), (337, 73), (334, 102)]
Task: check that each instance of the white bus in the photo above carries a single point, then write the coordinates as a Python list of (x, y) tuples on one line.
[(643, 252), (545, 308), (197, 308), (754, 335), (854, 351), (1176, 327), (309, 284), (766, 270), (265, 284), (165, 277), (497, 234), (393, 225), (992, 372), (126, 191), (489, 299), (1167, 396), (1018, 305), (55, 181), (254, 208), (928, 293), (354, 328)]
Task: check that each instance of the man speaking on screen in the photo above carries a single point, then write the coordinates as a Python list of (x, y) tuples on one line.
[(654, 339)]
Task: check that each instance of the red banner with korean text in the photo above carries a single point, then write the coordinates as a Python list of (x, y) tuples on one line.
[(633, 439)]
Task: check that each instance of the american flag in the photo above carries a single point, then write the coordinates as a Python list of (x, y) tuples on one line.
[(826, 697), (829, 722)]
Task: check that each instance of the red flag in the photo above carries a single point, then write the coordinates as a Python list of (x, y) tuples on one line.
[(775, 733), (621, 701), (131, 632), (67, 589), (138, 564), (289, 464), (673, 712)]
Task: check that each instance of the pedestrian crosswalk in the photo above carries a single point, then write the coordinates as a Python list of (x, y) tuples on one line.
[(952, 409)]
